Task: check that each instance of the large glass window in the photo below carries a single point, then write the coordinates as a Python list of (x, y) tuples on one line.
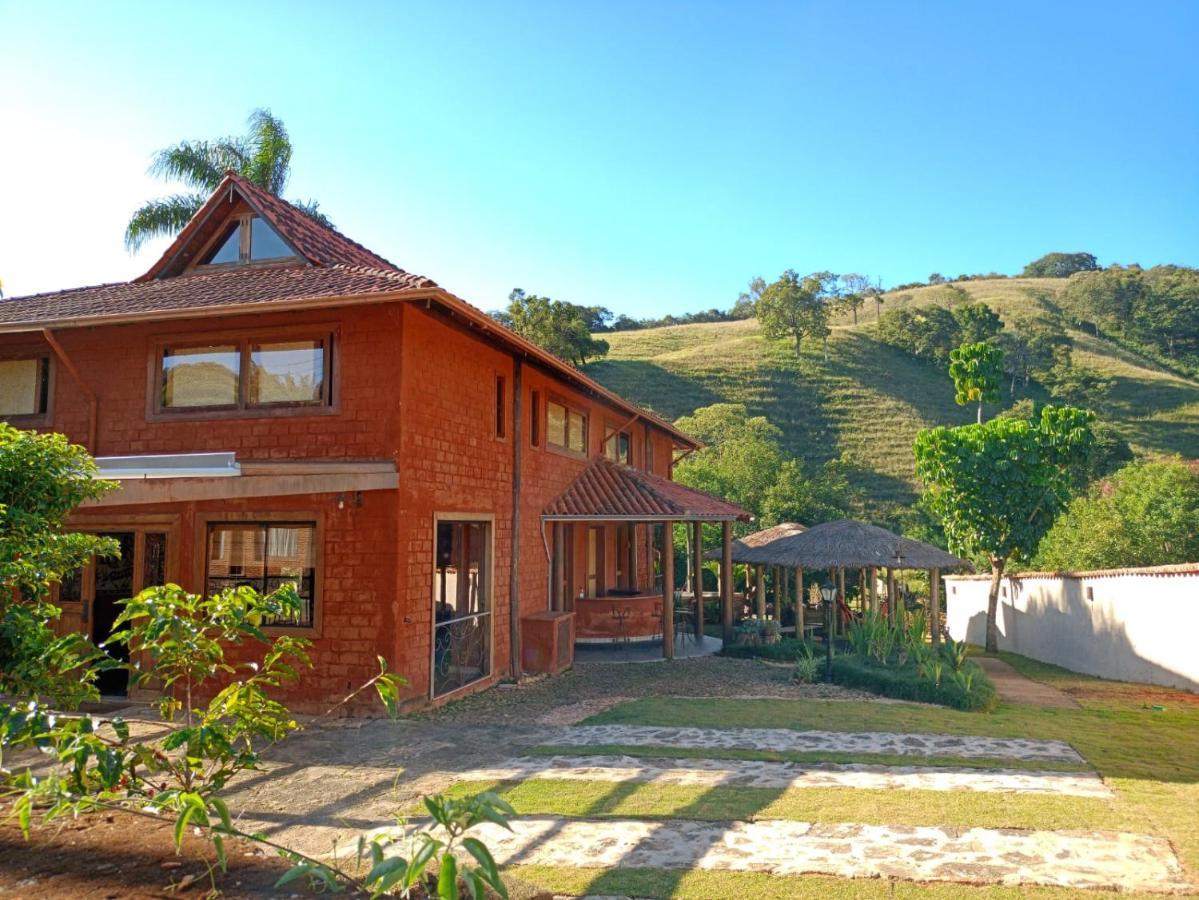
[(265, 242), (565, 428), (201, 376), (462, 619), (24, 387), (245, 374), (228, 248), (264, 556)]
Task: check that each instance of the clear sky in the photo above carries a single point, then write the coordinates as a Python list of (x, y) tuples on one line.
[(650, 157)]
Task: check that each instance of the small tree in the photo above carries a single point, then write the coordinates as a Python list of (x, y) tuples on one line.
[(853, 296), (562, 328), (797, 306), (997, 487), (43, 478), (1060, 265), (977, 322), (977, 371)]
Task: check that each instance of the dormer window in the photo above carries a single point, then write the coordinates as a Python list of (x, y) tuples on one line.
[(246, 239)]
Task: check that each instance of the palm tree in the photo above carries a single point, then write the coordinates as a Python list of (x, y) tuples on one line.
[(262, 155)]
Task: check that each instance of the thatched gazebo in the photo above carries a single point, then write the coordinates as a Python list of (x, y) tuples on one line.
[(846, 544)]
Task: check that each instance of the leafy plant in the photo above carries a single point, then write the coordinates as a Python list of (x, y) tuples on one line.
[(807, 666), (977, 371), (434, 862), (955, 653)]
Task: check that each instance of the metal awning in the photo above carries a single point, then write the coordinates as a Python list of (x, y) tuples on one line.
[(168, 465)]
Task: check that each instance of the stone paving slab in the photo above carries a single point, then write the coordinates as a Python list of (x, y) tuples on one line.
[(786, 775), (787, 741), (1072, 859)]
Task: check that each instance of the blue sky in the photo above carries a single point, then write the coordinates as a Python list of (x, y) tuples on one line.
[(650, 157)]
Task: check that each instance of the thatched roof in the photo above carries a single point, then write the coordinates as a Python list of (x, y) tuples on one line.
[(744, 545), (847, 544)]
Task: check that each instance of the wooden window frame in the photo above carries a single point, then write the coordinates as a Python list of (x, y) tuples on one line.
[(536, 426), (612, 432), (489, 573), (500, 427), (243, 220), (314, 517), (137, 524), (569, 407), (46, 416), (329, 404)]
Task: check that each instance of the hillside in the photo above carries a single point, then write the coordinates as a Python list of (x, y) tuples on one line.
[(868, 400)]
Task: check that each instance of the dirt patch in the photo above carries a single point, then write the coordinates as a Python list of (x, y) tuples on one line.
[(124, 856), (1147, 696), (574, 713)]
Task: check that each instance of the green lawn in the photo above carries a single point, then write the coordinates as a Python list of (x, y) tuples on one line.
[(1148, 756)]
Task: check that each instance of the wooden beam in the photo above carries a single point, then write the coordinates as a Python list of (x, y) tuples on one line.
[(760, 588), (839, 615), (935, 605), (892, 599), (799, 602), (668, 590), (726, 578), (697, 550), (872, 574)]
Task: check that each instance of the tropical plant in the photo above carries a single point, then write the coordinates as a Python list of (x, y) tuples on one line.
[(998, 486), (184, 638), (43, 478), (976, 370), (433, 867), (807, 666), (955, 653), (262, 155)]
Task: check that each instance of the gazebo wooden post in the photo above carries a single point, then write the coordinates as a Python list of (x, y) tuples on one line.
[(799, 602), (934, 605), (841, 604), (668, 590), (760, 588), (697, 554), (872, 574), (891, 598), (726, 578), (780, 592)]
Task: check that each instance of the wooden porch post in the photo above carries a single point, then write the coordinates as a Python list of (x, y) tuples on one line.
[(780, 592), (892, 616), (698, 579), (799, 602), (839, 615), (760, 587), (726, 578), (668, 590), (872, 574), (934, 605)]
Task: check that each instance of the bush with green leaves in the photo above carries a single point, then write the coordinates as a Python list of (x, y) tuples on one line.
[(43, 478), (807, 666)]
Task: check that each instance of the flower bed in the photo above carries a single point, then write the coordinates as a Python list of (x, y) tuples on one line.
[(906, 683)]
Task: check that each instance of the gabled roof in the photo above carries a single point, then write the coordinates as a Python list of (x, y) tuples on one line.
[(331, 270), (317, 244), (608, 491)]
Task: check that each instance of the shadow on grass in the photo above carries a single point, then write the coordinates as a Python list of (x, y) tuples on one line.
[(662, 390)]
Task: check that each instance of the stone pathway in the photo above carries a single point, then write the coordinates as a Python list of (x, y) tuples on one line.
[(1000, 856), (786, 775), (786, 741), (1013, 687)]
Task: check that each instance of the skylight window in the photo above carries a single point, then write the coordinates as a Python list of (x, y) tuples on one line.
[(247, 239)]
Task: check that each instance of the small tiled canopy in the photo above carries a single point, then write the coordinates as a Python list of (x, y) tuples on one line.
[(608, 491)]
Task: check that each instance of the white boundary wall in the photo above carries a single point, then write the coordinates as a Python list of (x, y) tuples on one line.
[(1125, 624)]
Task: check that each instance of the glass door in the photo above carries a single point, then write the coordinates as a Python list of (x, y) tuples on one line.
[(462, 619)]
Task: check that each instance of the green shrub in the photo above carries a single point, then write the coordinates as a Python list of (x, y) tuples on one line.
[(784, 651), (807, 666), (968, 690)]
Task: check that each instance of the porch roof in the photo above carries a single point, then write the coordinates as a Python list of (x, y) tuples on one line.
[(608, 491)]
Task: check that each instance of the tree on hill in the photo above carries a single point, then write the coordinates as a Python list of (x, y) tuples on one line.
[(262, 155), (1074, 384), (1030, 346), (741, 456), (1060, 265), (928, 332), (562, 328), (976, 322), (998, 486), (1146, 515), (976, 370), (853, 293), (747, 301), (806, 495), (798, 306)]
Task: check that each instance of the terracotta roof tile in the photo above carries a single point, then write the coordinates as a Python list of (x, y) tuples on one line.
[(608, 490), (214, 289)]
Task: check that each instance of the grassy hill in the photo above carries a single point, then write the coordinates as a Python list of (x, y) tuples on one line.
[(867, 400)]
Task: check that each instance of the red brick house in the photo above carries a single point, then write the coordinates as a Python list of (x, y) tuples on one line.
[(279, 403)]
